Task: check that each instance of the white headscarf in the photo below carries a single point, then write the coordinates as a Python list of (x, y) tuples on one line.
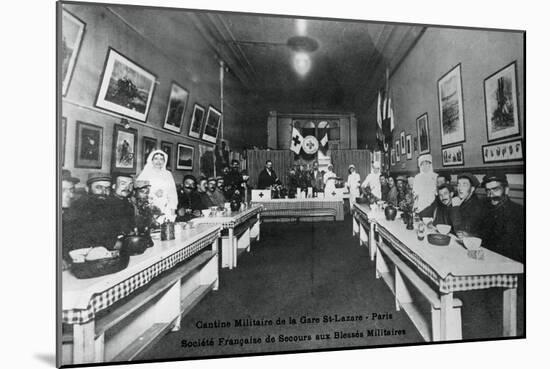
[(425, 184), (163, 193)]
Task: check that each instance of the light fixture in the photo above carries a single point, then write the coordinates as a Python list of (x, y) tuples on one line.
[(302, 63)]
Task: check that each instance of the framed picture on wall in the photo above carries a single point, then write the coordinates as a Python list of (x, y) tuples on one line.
[(177, 104), (206, 160), (452, 156), (397, 151), (402, 142), (123, 156), (71, 38), (89, 145), (126, 88), (423, 131), (212, 125), (63, 139), (408, 142), (392, 156), (148, 146), (501, 103), (185, 157), (168, 148), (503, 151), (451, 109), (195, 126)]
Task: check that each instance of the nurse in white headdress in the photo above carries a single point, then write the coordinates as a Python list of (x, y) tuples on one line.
[(353, 183), (425, 183), (163, 193)]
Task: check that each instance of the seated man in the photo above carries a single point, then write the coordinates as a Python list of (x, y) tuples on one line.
[(401, 184), (206, 203), (220, 184), (189, 201), (67, 193), (233, 181), (384, 188), (443, 178), (504, 225), (93, 221), (392, 192), (214, 193), (440, 209), (122, 207), (467, 210), (144, 213)]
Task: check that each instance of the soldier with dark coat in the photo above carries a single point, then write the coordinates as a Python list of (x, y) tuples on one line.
[(504, 225), (467, 210), (267, 177)]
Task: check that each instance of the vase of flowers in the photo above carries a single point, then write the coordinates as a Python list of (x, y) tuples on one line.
[(406, 205)]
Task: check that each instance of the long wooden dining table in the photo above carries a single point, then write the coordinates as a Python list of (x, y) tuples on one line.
[(448, 269)]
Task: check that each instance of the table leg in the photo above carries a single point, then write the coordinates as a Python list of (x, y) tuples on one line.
[(259, 221), (446, 319), (509, 309), (232, 249), (372, 241), (83, 343)]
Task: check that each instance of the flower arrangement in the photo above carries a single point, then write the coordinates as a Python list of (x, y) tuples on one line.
[(406, 205)]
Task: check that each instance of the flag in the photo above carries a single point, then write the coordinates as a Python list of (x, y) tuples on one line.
[(378, 111), (296, 141), (324, 140)]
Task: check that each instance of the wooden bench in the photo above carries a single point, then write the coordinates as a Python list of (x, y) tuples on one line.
[(400, 281), (125, 330)]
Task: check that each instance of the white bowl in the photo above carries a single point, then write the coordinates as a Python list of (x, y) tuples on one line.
[(206, 212), (443, 228), (427, 220), (472, 243)]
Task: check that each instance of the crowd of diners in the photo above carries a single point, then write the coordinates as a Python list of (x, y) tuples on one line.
[(119, 204)]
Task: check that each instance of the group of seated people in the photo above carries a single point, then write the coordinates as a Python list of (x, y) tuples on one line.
[(497, 220)]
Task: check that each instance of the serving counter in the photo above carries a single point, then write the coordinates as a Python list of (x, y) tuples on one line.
[(117, 316), (308, 208), (436, 271)]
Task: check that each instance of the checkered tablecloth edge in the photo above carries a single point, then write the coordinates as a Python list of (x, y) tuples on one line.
[(289, 209), (108, 297)]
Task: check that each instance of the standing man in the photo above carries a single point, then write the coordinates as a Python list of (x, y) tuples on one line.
[(267, 177), (468, 210), (504, 225), (372, 182), (316, 178)]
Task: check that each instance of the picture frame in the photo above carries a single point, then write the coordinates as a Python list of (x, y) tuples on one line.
[(73, 30), (148, 145), (195, 126), (185, 157), (392, 156), (451, 107), (126, 88), (423, 134), (89, 146), (397, 151), (452, 156), (63, 139), (415, 143), (123, 155), (500, 92), (408, 141), (168, 148), (402, 140), (175, 110), (211, 125), (512, 150)]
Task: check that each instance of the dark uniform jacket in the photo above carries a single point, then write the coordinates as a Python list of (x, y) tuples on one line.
[(504, 230), (265, 180), (468, 217), (190, 201), (317, 180), (206, 203), (440, 213)]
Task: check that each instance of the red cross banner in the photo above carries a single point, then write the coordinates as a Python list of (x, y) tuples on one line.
[(296, 141)]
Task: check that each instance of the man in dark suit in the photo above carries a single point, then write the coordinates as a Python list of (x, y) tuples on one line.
[(267, 177), (316, 178)]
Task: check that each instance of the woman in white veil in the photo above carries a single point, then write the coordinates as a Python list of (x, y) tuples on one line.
[(163, 193), (425, 183)]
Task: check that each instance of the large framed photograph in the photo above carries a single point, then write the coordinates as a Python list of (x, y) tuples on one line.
[(408, 142), (185, 157), (501, 103), (392, 156), (423, 131), (177, 104), (195, 126), (89, 145), (126, 88), (503, 151), (212, 125), (168, 148), (123, 156), (452, 156), (148, 146), (72, 34), (451, 109)]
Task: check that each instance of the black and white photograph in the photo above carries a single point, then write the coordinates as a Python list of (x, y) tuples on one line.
[(303, 202), (126, 88), (211, 125), (185, 157), (177, 104), (73, 32)]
